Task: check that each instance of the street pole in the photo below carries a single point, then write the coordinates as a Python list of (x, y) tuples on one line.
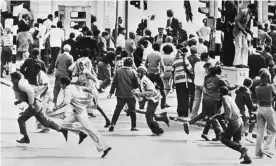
[(116, 23)]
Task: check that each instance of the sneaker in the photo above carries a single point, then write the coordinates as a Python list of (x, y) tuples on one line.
[(134, 129), (111, 128), (246, 161), (186, 126), (204, 136)]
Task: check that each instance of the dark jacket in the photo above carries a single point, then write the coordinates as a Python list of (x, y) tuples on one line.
[(28, 72), (73, 45), (88, 44), (255, 63), (138, 56), (22, 25), (124, 81), (174, 25), (243, 99)]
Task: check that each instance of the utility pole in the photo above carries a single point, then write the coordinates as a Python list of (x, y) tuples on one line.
[(116, 23)]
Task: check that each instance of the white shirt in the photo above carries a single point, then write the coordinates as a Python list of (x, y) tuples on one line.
[(24, 86), (199, 73), (47, 24), (204, 32), (9, 23), (212, 61), (55, 20), (201, 48), (121, 41), (56, 37), (42, 78)]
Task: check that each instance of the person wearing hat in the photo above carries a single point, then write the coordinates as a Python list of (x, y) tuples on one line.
[(130, 45), (147, 91), (182, 81), (64, 61), (255, 62), (160, 38)]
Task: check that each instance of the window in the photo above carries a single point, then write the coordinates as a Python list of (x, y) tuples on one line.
[(80, 15)]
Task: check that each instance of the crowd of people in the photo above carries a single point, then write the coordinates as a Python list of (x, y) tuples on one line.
[(144, 69)]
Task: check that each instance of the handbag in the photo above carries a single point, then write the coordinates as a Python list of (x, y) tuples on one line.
[(190, 71)]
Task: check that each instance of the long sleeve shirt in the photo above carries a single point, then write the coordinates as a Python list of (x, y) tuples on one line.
[(148, 90), (124, 81)]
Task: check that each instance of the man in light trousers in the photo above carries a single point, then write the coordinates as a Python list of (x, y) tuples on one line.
[(78, 98), (241, 34)]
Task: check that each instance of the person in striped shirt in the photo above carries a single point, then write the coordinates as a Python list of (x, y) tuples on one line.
[(182, 82), (6, 43)]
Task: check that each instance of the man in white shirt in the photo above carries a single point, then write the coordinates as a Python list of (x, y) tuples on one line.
[(201, 48), (200, 73), (121, 41), (56, 39), (49, 22), (204, 32), (24, 92)]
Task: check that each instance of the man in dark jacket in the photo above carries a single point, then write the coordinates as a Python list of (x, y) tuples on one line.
[(160, 38), (243, 100), (172, 24), (124, 81), (255, 63), (90, 45), (27, 67), (71, 42)]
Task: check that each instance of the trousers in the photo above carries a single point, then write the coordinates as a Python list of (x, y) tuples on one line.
[(87, 126)]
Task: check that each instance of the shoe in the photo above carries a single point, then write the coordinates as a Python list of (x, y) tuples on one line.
[(101, 90), (111, 128), (166, 120), (106, 152), (24, 140), (167, 106), (65, 133), (215, 139), (246, 161), (44, 131), (107, 124), (141, 107), (160, 132), (268, 155), (82, 136), (134, 129), (186, 127), (243, 152), (163, 114), (91, 115), (204, 136)]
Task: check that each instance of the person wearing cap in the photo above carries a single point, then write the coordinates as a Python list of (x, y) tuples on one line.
[(121, 41), (27, 68), (255, 62), (130, 46), (241, 35), (235, 126), (64, 61), (160, 38), (182, 81), (147, 91)]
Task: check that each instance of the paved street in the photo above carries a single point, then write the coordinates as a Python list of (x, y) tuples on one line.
[(129, 148)]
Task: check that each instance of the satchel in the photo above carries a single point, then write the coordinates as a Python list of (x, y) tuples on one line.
[(189, 72)]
